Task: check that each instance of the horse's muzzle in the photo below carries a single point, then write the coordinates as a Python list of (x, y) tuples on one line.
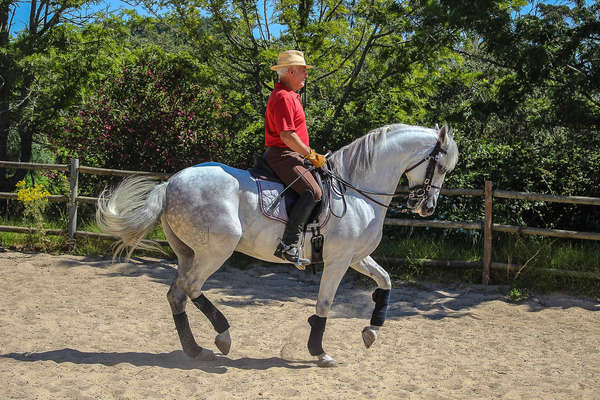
[(422, 206)]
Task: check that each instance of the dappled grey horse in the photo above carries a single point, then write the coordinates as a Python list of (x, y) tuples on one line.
[(211, 210)]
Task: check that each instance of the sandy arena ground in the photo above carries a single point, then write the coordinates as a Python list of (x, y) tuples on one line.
[(79, 328)]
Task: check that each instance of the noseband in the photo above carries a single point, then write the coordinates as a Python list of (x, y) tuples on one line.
[(420, 192)]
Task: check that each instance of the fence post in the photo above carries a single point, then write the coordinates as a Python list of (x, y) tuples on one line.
[(487, 234), (74, 183)]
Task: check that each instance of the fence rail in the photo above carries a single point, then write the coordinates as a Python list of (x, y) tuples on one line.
[(488, 193)]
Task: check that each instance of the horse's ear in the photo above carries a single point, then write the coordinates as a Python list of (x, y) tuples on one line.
[(443, 134)]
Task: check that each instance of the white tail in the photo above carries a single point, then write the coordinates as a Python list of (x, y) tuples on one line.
[(130, 212)]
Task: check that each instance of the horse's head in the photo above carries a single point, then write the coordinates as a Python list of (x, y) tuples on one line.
[(425, 178)]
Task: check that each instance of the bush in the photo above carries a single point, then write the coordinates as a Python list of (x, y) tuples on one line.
[(35, 200), (158, 114)]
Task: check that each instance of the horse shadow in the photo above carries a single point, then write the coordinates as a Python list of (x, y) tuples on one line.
[(159, 270), (430, 300), (266, 278), (171, 360)]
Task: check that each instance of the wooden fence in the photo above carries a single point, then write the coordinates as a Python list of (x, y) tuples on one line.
[(487, 225)]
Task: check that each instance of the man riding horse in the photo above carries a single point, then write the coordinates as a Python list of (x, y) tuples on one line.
[(287, 142), (210, 210)]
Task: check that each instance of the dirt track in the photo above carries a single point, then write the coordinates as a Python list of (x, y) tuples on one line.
[(78, 328)]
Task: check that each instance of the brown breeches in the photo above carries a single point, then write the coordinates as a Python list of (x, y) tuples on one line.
[(289, 165)]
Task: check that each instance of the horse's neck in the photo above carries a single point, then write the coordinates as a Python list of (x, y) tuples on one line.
[(399, 152)]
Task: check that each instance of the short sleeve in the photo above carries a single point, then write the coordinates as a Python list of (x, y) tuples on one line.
[(283, 114)]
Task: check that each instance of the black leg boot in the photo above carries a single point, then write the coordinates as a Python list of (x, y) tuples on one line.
[(288, 248)]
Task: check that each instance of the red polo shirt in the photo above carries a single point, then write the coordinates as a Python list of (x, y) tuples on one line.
[(284, 113)]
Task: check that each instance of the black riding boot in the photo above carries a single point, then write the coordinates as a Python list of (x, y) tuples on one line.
[(298, 218)]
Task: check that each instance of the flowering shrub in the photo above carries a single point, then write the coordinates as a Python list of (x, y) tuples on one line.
[(155, 115), (32, 195), (35, 200)]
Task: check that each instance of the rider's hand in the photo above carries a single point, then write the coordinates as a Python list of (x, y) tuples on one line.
[(316, 159)]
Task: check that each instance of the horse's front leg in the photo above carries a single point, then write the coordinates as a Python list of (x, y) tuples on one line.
[(330, 280), (381, 297)]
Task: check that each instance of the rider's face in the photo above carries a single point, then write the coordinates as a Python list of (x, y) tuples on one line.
[(297, 76)]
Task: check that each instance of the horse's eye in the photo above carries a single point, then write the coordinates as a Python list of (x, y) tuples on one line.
[(442, 169)]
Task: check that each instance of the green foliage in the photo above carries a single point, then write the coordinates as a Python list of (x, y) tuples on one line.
[(517, 81), (517, 294), (157, 114)]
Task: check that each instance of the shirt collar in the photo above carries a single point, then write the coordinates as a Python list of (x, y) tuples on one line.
[(281, 86)]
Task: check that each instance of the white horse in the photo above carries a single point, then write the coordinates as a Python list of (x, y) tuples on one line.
[(211, 210)]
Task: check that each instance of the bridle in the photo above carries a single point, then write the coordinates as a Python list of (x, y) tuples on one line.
[(420, 192), (416, 193)]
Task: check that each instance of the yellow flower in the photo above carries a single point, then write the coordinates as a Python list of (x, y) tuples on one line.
[(30, 194)]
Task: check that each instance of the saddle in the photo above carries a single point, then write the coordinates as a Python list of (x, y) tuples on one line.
[(270, 188)]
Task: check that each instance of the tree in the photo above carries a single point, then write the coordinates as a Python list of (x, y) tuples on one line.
[(552, 49), (21, 106), (525, 95), (361, 50)]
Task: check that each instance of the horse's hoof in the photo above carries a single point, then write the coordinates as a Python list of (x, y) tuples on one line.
[(326, 361), (223, 342), (369, 335), (206, 355)]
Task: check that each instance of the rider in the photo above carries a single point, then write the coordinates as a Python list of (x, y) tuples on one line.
[(286, 139)]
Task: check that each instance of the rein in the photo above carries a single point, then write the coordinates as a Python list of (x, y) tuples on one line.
[(418, 192), (363, 192)]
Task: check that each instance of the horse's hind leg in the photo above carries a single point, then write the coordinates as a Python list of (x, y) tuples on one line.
[(177, 299), (218, 321), (195, 267), (192, 279), (381, 296)]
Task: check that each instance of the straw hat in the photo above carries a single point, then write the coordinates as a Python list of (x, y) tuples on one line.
[(289, 58)]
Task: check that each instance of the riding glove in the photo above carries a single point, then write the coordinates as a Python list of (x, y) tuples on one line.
[(316, 159)]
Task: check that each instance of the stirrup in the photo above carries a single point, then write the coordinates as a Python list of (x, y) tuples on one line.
[(283, 252)]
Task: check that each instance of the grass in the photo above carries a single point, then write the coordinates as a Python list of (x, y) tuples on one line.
[(535, 253), (83, 246), (415, 245)]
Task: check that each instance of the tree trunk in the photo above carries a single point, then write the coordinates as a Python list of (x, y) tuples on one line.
[(5, 80)]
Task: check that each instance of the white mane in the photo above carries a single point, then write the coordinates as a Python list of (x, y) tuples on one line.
[(357, 157)]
